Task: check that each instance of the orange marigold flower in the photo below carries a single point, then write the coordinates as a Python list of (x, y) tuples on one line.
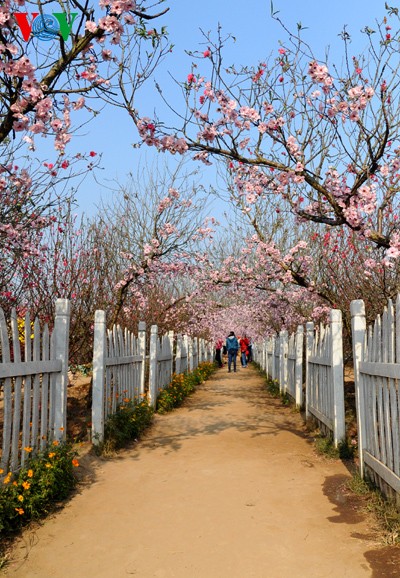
[(21, 498), (30, 473), (28, 449), (20, 511), (52, 454), (7, 479), (75, 463), (26, 485), (61, 429), (14, 483), (1, 471), (56, 443)]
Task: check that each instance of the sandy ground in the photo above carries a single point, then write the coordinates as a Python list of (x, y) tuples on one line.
[(227, 486)]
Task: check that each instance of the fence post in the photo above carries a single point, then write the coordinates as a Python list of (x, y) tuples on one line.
[(153, 365), (190, 353), (358, 330), (273, 376), (61, 352), (178, 353), (99, 350), (337, 370), (142, 353), (171, 346), (283, 350), (299, 366), (309, 346), (193, 345)]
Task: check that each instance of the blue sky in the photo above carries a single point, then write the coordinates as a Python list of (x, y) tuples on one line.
[(257, 35)]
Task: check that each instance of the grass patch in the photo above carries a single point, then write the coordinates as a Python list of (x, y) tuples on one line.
[(325, 446), (384, 511)]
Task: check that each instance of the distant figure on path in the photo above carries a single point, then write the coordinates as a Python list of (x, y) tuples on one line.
[(218, 352), (244, 350), (232, 347)]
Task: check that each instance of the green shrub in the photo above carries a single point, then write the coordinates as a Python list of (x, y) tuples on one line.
[(32, 492), (127, 424), (182, 385)]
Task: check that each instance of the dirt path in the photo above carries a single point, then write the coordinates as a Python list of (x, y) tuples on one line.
[(226, 487)]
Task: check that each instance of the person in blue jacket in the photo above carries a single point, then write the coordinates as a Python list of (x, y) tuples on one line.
[(232, 347)]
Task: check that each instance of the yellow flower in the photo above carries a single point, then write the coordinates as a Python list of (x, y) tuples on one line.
[(7, 479), (30, 473), (21, 498), (28, 449), (14, 483), (52, 454), (56, 443), (26, 485), (20, 511)]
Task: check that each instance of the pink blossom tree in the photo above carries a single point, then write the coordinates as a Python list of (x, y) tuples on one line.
[(56, 61), (300, 135)]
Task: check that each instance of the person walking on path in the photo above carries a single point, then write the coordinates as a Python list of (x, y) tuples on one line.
[(232, 347), (244, 350)]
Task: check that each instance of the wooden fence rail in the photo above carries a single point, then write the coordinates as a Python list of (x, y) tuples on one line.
[(282, 358)]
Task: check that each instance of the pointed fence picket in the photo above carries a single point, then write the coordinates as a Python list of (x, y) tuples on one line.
[(118, 370), (376, 353), (181, 356), (276, 358), (33, 386)]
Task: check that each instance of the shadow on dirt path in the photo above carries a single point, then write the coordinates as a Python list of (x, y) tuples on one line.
[(228, 486)]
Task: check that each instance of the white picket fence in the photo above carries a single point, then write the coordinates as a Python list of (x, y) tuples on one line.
[(118, 370), (34, 379), (282, 358), (120, 362), (324, 375), (376, 354), (33, 385)]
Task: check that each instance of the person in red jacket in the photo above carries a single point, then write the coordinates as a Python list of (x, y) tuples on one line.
[(244, 350)]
